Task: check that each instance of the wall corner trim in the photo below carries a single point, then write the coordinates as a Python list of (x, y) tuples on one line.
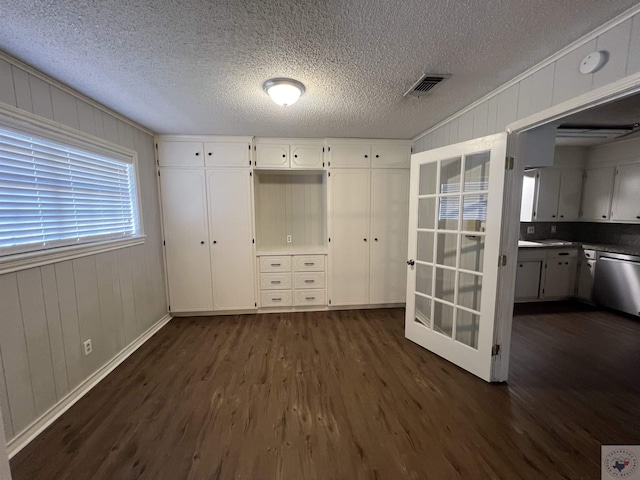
[(40, 424), (527, 73)]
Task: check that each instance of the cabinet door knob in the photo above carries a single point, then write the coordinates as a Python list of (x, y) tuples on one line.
[(214, 242), (377, 156), (411, 262), (295, 156), (553, 216), (210, 153), (197, 154), (202, 242), (366, 156), (604, 216), (283, 155), (365, 239), (375, 239), (561, 216)]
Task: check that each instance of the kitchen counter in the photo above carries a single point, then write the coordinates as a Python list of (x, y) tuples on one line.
[(624, 249)]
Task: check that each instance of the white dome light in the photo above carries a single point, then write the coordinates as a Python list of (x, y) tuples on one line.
[(284, 91)]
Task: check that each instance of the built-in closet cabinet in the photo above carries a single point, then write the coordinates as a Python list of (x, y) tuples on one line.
[(186, 239), (231, 238), (206, 195), (347, 153), (274, 153)]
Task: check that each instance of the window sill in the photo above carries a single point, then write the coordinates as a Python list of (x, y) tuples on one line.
[(23, 261)]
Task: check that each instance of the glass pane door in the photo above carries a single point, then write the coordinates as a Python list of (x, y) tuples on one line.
[(456, 205)]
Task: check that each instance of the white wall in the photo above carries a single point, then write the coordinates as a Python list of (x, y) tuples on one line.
[(553, 81), (111, 297), (616, 153)]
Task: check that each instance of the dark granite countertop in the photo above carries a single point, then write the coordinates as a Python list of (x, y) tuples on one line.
[(624, 249)]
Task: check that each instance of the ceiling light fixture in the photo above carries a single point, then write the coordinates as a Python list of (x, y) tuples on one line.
[(284, 91)]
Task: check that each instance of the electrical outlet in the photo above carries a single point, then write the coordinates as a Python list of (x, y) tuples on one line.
[(86, 345), (553, 229), (531, 229), (289, 239)]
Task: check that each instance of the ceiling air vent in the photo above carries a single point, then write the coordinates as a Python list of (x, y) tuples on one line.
[(425, 84)]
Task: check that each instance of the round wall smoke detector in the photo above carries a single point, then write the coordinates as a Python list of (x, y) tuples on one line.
[(593, 62)]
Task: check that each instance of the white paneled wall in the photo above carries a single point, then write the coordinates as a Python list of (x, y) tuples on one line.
[(549, 84), (47, 312)]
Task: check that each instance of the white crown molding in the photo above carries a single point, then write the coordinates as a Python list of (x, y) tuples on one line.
[(548, 61), (52, 81), (40, 424)]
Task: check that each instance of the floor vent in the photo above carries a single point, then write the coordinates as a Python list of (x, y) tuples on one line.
[(426, 84)]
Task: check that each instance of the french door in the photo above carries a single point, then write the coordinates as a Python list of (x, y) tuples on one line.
[(455, 222)]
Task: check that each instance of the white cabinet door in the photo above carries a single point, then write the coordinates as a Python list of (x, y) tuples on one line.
[(390, 156), (219, 154), (349, 237), (231, 238), (586, 272), (389, 235), (528, 280), (560, 278), (272, 156), (186, 237), (548, 189), (570, 193), (596, 196), (307, 156), (180, 154), (351, 155), (626, 197)]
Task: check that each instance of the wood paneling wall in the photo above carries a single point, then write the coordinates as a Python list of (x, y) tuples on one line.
[(47, 312), (544, 87), (290, 205)]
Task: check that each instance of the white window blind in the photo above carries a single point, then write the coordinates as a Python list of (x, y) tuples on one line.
[(474, 205), (54, 195)]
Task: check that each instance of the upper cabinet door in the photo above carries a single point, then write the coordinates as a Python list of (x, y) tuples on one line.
[(596, 197), (219, 154), (548, 190), (180, 154), (570, 193), (626, 206), (389, 156), (272, 156), (307, 157), (350, 155)]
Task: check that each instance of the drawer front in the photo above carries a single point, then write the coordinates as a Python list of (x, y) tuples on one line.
[(308, 263), (275, 281), (275, 298), (308, 280), (275, 264), (309, 297), (560, 253)]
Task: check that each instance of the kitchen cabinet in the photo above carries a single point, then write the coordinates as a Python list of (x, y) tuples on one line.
[(559, 277), (231, 234), (597, 191), (528, 280), (289, 154), (626, 198), (586, 275), (186, 239), (551, 194)]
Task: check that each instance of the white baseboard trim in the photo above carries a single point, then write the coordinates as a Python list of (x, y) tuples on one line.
[(36, 427)]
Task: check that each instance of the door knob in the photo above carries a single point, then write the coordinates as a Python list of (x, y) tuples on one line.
[(411, 262)]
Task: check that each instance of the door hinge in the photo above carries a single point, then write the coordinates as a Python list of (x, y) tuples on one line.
[(328, 149), (329, 239), (329, 302), (495, 350), (249, 162), (255, 304), (253, 240), (502, 260), (249, 146), (328, 164), (158, 172), (322, 164), (411, 148), (164, 243), (509, 163), (329, 174), (322, 149), (158, 161), (169, 307), (156, 146), (251, 174)]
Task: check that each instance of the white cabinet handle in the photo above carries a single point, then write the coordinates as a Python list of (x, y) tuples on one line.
[(309, 281), (275, 282), (309, 264), (276, 299), (309, 298), (275, 264)]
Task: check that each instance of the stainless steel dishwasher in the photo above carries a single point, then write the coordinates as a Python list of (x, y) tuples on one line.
[(617, 282)]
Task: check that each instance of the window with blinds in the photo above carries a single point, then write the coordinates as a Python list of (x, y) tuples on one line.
[(474, 206), (55, 195)]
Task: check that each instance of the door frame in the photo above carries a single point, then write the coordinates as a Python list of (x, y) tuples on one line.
[(518, 132)]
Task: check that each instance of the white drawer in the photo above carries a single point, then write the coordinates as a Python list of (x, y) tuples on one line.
[(308, 297), (562, 253), (275, 298), (308, 263), (275, 281), (308, 280), (275, 264)]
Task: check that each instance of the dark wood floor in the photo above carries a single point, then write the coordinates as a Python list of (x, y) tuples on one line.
[(343, 395)]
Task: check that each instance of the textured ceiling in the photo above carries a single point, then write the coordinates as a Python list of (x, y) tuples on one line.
[(197, 66)]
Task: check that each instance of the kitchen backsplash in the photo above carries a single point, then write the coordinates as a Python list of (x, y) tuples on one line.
[(604, 233)]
